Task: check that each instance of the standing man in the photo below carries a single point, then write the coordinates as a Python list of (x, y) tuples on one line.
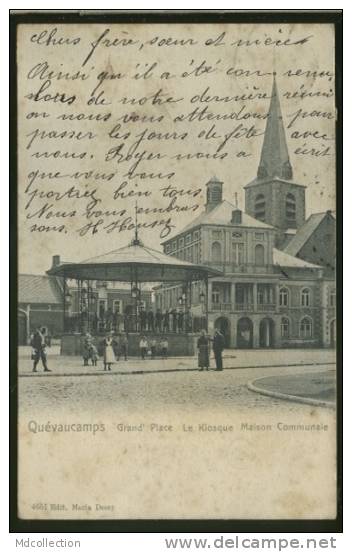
[(143, 319), (117, 321), (158, 320), (39, 346), (123, 346), (218, 347), (151, 320), (166, 321)]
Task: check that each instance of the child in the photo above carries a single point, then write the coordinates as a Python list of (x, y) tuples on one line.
[(153, 345), (93, 353), (164, 346), (87, 342), (143, 345)]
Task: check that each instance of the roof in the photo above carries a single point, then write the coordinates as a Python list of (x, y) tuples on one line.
[(221, 215), (214, 180), (134, 262), (38, 289), (283, 259), (256, 181), (304, 233)]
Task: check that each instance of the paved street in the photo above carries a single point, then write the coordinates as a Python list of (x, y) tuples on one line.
[(153, 386)]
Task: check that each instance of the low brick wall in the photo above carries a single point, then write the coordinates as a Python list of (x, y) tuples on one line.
[(179, 344)]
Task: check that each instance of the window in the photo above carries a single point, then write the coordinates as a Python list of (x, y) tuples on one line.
[(216, 252), (305, 327), (259, 236), (196, 235), (259, 255), (305, 297), (290, 207), (332, 298), (259, 207), (285, 327), (167, 248), (181, 242), (102, 307), (284, 297), (188, 238), (238, 253), (174, 245), (117, 306), (260, 296), (215, 295)]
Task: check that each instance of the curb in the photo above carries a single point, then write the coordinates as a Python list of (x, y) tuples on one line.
[(292, 398), (161, 371)]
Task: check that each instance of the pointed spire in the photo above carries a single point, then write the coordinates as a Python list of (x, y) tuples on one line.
[(136, 240), (274, 159)]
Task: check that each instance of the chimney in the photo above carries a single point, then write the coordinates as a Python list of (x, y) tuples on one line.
[(56, 260), (236, 216), (214, 194)]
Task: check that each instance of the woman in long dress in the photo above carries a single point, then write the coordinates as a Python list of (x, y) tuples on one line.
[(203, 352), (109, 356)]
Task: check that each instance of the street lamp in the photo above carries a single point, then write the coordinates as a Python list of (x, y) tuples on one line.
[(203, 297), (136, 293)]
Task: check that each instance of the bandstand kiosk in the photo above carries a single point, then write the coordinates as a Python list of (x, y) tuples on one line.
[(135, 264)]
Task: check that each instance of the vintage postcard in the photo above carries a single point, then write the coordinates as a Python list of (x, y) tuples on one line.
[(176, 190)]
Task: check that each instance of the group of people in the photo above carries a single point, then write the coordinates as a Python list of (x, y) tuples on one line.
[(170, 320), (218, 345), (113, 347), (153, 347)]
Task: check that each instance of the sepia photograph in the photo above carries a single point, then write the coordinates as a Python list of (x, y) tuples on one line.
[(177, 333)]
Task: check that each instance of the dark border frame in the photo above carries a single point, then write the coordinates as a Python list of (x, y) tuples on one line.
[(167, 17)]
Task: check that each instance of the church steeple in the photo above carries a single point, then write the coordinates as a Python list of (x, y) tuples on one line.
[(274, 159), (273, 197)]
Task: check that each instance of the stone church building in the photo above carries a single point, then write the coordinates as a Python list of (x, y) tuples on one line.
[(278, 288)]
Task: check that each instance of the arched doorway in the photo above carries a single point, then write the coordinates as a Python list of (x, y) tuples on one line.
[(333, 333), (245, 333), (266, 333), (223, 325), (22, 328)]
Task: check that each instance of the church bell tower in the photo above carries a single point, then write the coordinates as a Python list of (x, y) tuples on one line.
[(273, 197)]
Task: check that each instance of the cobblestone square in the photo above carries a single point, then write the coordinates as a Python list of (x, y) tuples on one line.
[(153, 385)]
